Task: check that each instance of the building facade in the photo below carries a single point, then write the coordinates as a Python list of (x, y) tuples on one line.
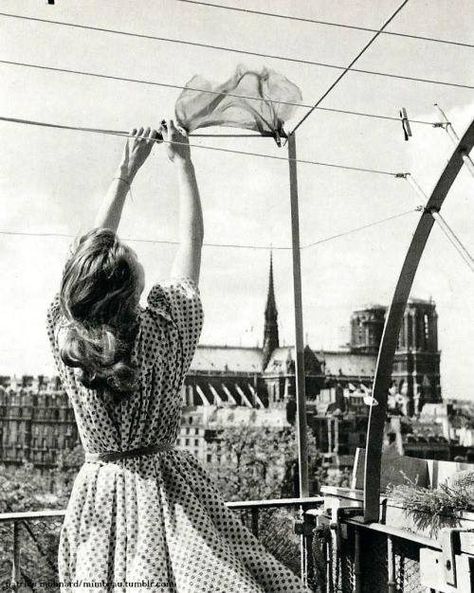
[(36, 421)]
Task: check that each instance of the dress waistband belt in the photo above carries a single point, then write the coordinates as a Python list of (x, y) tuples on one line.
[(117, 455)]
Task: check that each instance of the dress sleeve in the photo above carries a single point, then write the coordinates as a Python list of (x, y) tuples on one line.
[(182, 297), (53, 318)]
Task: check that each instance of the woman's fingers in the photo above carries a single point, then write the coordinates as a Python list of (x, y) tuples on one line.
[(163, 130), (176, 138), (155, 136)]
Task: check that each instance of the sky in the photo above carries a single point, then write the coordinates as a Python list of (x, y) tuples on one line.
[(52, 181)]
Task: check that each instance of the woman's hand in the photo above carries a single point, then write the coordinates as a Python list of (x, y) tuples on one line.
[(177, 141), (137, 150)]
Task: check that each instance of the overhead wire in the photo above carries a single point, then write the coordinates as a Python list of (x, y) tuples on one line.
[(224, 245), (147, 82), (348, 68), (132, 240), (327, 23), (211, 92), (361, 228), (443, 225), (238, 51), (451, 132), (125, 134)]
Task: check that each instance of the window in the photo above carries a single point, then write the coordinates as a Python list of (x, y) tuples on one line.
[(426, 327), (196, 442), (186, 442)]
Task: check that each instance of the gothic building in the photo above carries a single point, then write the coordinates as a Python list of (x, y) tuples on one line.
[(366, 329), (416, 365), (37, 421), (270, 333), (416, 368)]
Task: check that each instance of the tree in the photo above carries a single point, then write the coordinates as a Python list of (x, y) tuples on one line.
[(67, 466), (257, 462), (26, 489)]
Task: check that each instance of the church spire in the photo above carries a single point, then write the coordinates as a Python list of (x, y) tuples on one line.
[(270, 333)]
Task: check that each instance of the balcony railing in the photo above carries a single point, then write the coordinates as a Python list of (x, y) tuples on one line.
[(29, 540), (324, 539)]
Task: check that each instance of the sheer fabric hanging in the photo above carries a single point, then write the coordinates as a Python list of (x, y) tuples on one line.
[(261, 110)]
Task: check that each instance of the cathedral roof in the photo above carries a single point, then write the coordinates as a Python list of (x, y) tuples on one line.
[(282, 361), (227, 359), (348, 363), (233, 417)]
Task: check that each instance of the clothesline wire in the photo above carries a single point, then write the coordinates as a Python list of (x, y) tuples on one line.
[(239, 51), (211, 92), (125, 134), (361, 228), (446, 229), (223, 245), (327, 23), (148, 82), (131, 240), (376, 116), (348, 68)]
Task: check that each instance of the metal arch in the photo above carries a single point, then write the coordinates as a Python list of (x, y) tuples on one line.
[(393, 321)]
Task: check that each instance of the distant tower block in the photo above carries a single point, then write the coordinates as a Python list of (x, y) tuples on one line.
[(367, 328), (270, 332), (416, 367)]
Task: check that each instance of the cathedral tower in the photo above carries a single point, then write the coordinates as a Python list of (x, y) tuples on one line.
[(366, 329), (270, 332), (416, 370)]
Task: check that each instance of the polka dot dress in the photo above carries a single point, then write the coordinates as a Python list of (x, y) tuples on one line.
[(154, 523)]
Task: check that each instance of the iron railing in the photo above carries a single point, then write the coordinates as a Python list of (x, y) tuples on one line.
[(29, 540), (329, 546)]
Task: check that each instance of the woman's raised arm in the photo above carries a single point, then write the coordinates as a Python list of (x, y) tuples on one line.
[(187, 262), (135, 153)]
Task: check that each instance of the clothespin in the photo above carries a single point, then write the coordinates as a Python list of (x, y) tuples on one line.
[(278, 134), (405, 123)]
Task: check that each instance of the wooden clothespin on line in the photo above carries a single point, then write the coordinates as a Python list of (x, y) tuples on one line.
[(405, 124)]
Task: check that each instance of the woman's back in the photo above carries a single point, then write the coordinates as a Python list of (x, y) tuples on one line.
[(166, 339)]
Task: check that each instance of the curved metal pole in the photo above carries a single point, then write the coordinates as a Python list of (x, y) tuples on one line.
[(383, 373)]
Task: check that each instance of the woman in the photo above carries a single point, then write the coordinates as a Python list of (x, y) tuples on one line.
[(143, 515)]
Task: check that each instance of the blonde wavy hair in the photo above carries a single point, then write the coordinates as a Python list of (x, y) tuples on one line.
[(99, 298)]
